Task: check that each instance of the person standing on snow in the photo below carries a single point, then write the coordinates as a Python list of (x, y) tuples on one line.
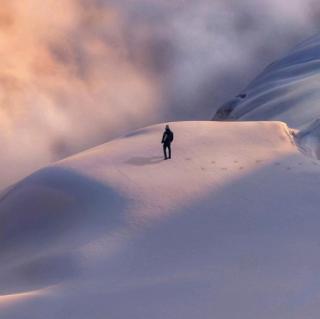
[(167, 139)]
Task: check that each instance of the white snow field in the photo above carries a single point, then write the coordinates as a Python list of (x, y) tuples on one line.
[(228, 228), (287, 90)]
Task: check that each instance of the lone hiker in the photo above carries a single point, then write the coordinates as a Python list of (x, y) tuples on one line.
[(167, 138)]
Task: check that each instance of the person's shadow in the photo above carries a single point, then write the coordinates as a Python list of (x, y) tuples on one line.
[(141, 161)]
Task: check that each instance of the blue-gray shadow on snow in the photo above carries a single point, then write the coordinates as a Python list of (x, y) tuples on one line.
[(250, 248), (55, 208), (142, 161)]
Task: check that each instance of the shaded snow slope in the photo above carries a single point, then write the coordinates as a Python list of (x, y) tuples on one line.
[(229, 228), (287, 90)]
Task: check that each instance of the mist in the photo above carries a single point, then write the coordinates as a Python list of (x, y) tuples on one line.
[(74, 74)]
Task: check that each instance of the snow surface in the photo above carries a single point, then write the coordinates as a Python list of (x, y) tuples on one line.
[(229, 228), (287, 90)]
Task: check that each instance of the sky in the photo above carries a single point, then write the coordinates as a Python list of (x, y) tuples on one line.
[(77, 73)]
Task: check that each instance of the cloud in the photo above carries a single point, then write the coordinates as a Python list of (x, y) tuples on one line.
[(66, 82), (76, 73)]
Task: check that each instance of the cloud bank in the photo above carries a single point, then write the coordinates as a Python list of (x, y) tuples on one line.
[(75, 73)]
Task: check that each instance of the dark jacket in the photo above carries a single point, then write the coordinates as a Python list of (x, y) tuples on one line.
[(167, 137)]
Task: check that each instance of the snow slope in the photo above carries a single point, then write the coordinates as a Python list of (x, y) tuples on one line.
[(287, 90), (229, 228)]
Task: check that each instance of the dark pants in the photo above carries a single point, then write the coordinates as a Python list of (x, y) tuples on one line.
[(165, 147)]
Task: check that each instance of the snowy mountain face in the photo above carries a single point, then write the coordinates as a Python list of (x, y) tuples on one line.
[(288, 90), (229, 227)]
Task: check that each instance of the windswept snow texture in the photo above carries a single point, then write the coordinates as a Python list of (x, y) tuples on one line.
[(288, 90), (229, 228)]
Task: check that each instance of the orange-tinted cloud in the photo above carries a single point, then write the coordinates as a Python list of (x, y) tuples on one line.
[(66, 82)]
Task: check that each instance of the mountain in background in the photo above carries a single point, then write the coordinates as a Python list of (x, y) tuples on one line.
[(288, 90)]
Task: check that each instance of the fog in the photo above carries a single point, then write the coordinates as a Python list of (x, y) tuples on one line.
[(78, 73)]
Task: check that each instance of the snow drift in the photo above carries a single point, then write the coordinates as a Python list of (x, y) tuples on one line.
[(228, 228)]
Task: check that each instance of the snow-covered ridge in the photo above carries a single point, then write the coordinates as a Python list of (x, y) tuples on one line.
[(116, 232), (287, 90)]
